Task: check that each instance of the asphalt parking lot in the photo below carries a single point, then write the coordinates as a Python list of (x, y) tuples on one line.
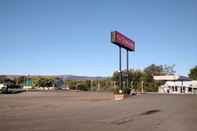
[(91, 111)]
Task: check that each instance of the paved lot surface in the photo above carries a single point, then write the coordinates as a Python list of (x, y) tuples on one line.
[(86, 111)]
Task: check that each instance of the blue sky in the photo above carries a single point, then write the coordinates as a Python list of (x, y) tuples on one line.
[(73, 36)]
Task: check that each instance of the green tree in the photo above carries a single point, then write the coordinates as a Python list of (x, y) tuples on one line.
[(20, 80), (137, 78), (159, 69), (154, 70), (134, 77), (168, 69), (2, 78), (193, 73), (116, 76), (151, 70), (43, 82), (35, 81), (72, 84)]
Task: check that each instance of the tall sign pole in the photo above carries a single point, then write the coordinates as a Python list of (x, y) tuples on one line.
[(120, 67), (128, 44), (127, 69)]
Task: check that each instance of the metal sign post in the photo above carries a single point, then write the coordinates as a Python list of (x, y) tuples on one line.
[(127, 68), (120, 66), (128, 44)]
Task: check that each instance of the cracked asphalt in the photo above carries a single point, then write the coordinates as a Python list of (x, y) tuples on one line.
[(93, 111)]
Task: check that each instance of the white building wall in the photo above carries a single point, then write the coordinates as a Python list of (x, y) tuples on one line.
[(179, 87), (1, 86)]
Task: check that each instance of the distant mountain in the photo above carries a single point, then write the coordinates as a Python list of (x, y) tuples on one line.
[(73, 77), (64, 77)]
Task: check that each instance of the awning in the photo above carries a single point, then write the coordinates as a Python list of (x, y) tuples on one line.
[(171, 78)]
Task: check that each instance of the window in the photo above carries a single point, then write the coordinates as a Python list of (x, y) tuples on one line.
[(176, 89), (189, 89)]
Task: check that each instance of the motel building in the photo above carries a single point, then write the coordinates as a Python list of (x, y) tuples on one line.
[(175, 84)]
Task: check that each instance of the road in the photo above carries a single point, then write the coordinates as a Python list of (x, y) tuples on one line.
[(91, 111)]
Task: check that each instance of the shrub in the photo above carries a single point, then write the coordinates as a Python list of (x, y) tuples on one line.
[(83, 87), (116, 90), (124, 90)]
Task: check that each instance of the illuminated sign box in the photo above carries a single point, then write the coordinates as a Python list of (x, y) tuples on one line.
[(122, 41)]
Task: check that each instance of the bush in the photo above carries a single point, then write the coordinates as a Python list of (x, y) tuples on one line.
[(71, 84), (124, 90), (83, 87), (116, 90)]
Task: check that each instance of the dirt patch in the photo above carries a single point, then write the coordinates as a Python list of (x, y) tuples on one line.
[(133, 117), (150, 112), (96, 99), (122, 121), (86, 111)]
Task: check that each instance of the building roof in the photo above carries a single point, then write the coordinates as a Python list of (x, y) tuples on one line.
[(171, 78)]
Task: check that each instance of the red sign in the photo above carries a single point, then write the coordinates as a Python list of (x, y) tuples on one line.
[(122, 41)]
